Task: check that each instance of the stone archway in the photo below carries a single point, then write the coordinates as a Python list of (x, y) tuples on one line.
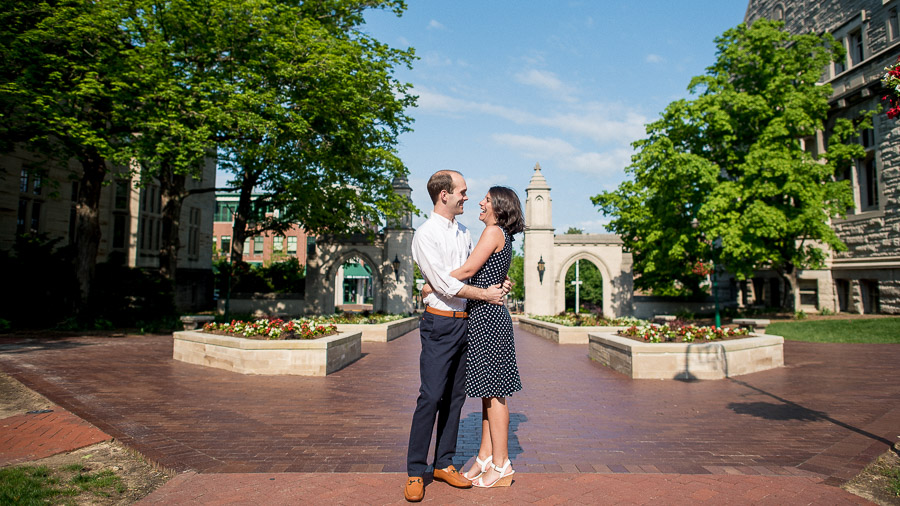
[(560, 279), (377, 279), (388, 253), (545, 291)]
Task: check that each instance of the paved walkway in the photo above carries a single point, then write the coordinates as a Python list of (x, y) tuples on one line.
[(34, 436), (577, 428)]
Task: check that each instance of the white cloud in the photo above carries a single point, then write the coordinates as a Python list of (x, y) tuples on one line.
[(654, 58), (564, 155), (602, 123), (435, 25)]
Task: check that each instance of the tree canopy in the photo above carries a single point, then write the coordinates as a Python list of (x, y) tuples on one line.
[(731, 175)]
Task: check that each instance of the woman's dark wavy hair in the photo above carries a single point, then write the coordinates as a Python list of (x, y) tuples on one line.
[(507, 209)]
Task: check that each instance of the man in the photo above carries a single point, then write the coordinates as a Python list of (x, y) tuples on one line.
[(439, 246)]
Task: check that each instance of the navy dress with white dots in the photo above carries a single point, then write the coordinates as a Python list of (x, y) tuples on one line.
[(491, 369)]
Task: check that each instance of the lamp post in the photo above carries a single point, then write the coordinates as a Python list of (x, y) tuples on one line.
[(396, 265), (541, 268), (714, 278), (577, 284)]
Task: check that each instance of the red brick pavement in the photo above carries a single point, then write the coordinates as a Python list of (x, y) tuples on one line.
[(34, 436), (541, 488), (823, 417)]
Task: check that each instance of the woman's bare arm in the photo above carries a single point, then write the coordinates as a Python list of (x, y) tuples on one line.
[(491, 241)]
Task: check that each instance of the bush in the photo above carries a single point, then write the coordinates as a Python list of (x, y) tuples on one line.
[(40, 279), (125, 295), (280, 277)]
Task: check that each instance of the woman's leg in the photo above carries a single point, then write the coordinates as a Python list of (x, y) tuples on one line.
[(498, 420), (484, 451)]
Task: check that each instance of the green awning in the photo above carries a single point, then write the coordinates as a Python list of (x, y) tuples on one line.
[(356, 271)]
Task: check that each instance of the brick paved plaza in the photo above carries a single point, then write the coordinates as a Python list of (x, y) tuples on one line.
[(812, 424)]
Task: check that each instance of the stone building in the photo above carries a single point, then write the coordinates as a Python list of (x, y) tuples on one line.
[(38, 195), (866, 277)]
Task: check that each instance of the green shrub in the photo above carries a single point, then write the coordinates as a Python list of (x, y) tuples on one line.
[(41, 287)]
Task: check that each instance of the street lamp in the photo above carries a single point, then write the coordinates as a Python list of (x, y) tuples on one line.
[(396, 265), (716, 248), (541, 268)]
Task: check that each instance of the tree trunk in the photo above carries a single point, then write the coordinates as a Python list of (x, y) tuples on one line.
[(87, 224), (789, 274), (172, 192), (242, 215)]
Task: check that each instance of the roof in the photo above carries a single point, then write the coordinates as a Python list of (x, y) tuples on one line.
[(356, 271)]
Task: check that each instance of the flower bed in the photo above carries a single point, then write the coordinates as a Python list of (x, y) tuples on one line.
[(270, 348), (717, 359), (681, 333), (548, 328), (273, 329), (588, 320)]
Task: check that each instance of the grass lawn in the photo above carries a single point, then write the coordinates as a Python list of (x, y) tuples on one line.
[(876, 330)]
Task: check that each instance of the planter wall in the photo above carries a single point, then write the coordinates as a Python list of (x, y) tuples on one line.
[(381, 332), (561, 334), (687, 361), (304, 357)]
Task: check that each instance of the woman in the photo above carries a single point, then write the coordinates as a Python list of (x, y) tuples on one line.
[(491, 371)]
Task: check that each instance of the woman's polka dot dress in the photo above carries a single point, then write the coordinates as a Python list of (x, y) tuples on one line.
[(491, 369)]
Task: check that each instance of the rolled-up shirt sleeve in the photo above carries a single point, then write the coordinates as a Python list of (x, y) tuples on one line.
[(427, 254)]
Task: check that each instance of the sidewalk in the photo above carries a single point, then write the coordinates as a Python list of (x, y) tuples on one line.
[(579, 432)]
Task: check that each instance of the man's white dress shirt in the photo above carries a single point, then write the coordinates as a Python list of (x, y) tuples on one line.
[(438, 247)]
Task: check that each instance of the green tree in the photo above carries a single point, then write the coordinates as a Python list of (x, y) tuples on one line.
[(319, 115), (517, 274), (591, 291), (66, 88), (723, 177), (574, 230)]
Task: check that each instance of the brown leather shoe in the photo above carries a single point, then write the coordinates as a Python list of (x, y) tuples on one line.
[(452, 477), (414, 491)]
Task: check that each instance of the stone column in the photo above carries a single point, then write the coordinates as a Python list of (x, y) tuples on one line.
[(539, 295)]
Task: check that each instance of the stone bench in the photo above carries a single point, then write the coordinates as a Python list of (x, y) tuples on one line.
[(752, 323), (663, 318), (191, 322)]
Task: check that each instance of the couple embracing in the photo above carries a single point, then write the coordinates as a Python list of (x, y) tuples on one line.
[(467, 335)]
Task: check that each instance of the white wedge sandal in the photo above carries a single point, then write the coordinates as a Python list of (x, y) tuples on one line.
[(504, 480), (483, 464)]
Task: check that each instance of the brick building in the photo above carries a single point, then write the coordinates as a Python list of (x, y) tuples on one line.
[(38, 195), (866, 277), (260, 249)]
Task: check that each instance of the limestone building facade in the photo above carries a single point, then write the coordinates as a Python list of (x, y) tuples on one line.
[(866, 277), (38, 195)]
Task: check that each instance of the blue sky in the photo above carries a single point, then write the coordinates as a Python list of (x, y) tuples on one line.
[(506, 84)]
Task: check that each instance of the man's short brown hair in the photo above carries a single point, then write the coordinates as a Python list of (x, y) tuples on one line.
[(441, 180)]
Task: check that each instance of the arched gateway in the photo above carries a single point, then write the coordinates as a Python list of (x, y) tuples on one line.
[(548, 258), (389, 256)]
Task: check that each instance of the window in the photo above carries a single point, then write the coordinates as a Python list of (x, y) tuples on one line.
[(868, 184), (292, 245), (224, 211), (150, 224), (809, 292), (871, 297), (120, 227), (258, 245), (893, 25), (867, 138), (30, 208), (120, 222), (246, 247), (855, 41), (278, 244), (226, 244), (194, 234), (778, 13), (123, 188)]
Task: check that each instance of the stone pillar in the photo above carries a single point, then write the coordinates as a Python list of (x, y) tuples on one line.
[(539, 295), (398, 286)]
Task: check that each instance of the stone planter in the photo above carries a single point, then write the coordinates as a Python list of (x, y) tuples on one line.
[(381, 332), (304, 357), (687, 361), (562, 334)]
